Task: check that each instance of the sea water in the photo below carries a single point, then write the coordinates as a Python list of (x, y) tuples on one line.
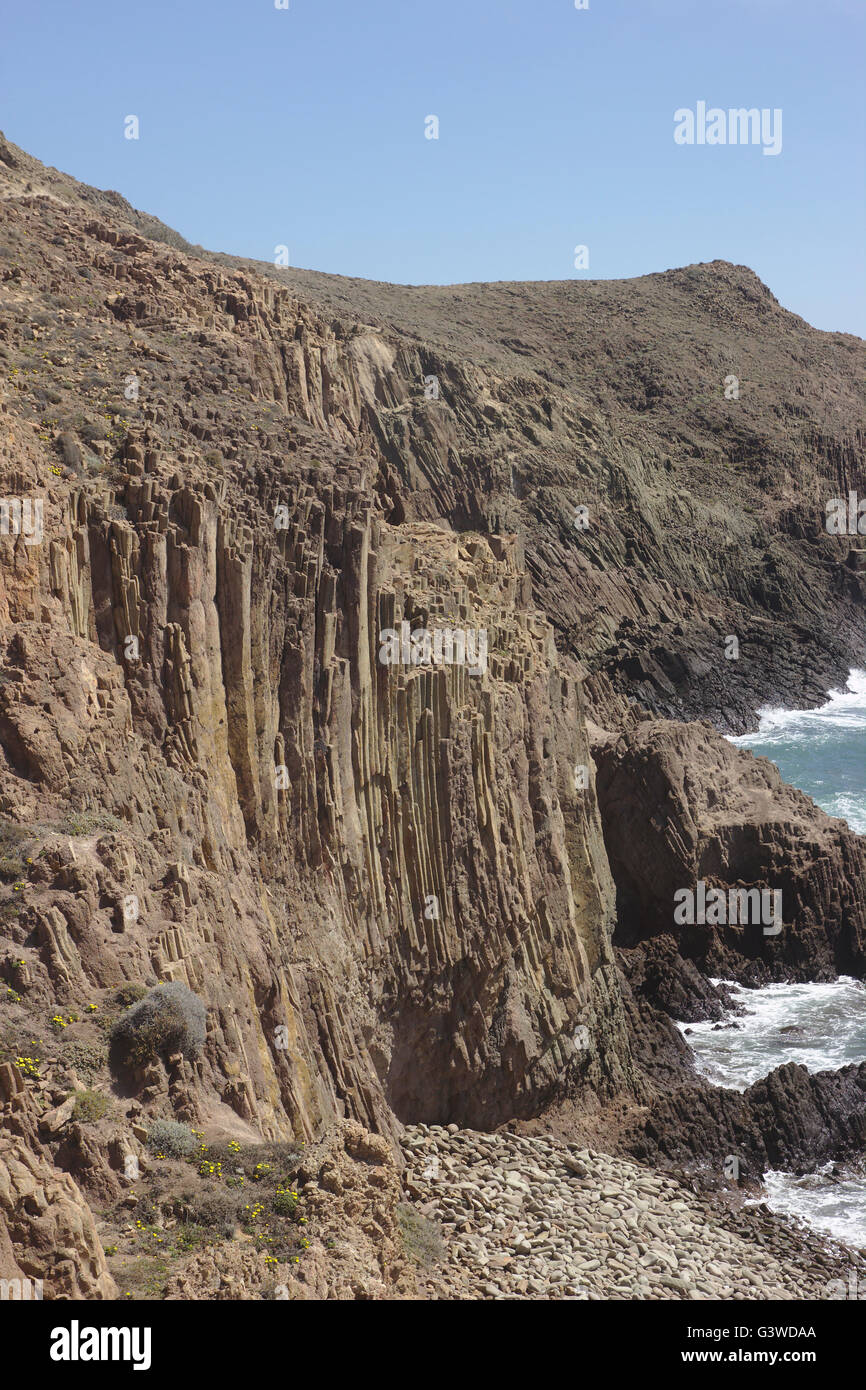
[(822, 1026), (822, 751)]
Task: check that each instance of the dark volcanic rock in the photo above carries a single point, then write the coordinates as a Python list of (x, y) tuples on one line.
[(680, 804), (789, 1120)]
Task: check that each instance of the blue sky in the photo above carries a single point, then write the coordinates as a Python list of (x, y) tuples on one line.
[(305, 127)]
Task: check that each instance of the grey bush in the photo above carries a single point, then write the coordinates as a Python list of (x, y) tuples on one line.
[(171, 1138), (222, 1210), (168, 1019)]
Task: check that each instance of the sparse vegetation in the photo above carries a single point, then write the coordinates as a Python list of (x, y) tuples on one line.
[(144, 1278), (130, 994), (422, 1239), (220, 1210), (12, 868), (89, 822), (171, 1139), (90, 1106), (168, 1019), (12, 837), (191, 1236), (86, 1059)]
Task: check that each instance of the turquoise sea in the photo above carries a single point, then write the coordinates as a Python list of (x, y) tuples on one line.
[(822, 751), (822, 1026)]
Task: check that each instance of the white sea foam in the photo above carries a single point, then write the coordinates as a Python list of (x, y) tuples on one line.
[(834, 1205), (822, 751), (830, 1020), (850, 808), (845, 709)]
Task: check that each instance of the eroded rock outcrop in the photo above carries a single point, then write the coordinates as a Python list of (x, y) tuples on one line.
[(389, 881), (47, 1231), (792, 1120), (352, 1192), (681, 805)]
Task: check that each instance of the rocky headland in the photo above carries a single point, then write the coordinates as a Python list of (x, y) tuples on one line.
[(426, 910)]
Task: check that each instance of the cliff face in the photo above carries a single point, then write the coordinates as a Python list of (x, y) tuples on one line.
[(361, 864), (665, 446), (390, 882)]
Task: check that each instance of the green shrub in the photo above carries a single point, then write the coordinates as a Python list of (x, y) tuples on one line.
[(168, 1019), (130, 994), (172, 1139), (285, 1203), (88, 822), (90, 1106), (87, 1059)]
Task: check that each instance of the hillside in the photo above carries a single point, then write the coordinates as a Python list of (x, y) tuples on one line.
[(395, 900)]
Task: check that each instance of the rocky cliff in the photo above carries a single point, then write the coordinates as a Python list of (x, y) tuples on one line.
[(407, 883)]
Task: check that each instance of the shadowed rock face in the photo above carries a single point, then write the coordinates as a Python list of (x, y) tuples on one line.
[(789, 1120), (680, 805), (396, 887)]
